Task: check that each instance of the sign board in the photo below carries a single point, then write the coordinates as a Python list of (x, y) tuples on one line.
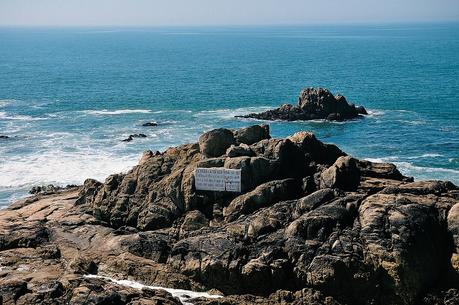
[(217, 179)]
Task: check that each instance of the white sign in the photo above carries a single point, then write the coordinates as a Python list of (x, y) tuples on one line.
[(217, 179)]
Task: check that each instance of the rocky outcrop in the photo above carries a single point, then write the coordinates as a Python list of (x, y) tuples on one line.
[(132, 136), (311, 226), (150, 124), (313, 104)]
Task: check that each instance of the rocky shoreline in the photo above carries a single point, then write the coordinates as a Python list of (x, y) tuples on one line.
[(313, 104), (311, 225)]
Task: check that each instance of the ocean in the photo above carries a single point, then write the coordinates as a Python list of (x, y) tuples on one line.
[(68, 96)]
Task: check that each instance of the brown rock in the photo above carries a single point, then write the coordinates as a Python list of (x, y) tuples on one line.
[(214, 143)]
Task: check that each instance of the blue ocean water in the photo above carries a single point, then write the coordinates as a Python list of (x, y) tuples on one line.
[(69, 95)]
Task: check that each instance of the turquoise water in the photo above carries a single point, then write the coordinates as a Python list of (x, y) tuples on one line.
[(68, 96)]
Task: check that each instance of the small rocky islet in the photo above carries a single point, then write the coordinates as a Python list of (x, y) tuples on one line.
[(313, 104), (311, 225)]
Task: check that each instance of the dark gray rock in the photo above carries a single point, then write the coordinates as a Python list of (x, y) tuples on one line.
[(150, 124), (313, 103)]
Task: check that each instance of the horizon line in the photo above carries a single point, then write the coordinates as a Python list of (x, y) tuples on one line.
[(350, 23)]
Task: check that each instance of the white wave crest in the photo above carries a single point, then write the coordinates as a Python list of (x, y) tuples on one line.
[(375, 112), (421, 172), (115, 112), (228, 113), (428, 155), (6, 116), (57, 167), (4, 103), (183, 295)]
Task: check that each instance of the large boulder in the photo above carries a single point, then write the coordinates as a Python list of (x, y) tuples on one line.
[(315, 150), (343, 174), (214, 143), (405, 240), (252, 134)]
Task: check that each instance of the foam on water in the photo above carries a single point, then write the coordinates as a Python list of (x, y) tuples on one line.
[(183, 295), (115, 112), (57, 167), (5, 116), (420, 172), (375, 112), (428, 155), (228, 113), (4, 103)]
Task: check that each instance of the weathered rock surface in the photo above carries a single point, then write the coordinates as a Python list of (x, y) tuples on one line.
[(311, 226), (313, 104)]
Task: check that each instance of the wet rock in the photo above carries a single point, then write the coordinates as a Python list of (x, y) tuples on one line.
[(150, 124), (50, 189), (361, 110), (132, 136), (313, 103)]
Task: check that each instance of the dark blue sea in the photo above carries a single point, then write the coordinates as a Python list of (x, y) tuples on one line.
[(68, 96)]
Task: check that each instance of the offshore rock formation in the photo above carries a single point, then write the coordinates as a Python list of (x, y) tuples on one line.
[(313, 104), (311, 226)]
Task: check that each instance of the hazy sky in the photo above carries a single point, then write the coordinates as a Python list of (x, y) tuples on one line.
[(222, 12)]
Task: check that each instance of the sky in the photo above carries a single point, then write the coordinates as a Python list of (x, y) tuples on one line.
[(221, 12)]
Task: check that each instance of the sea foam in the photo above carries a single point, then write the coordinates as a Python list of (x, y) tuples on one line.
[(183, 295), (58, 167), (115, 112), (5, 116)]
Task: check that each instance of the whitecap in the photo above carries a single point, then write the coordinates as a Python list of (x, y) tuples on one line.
[(228, 113), (4, 103), (182, 294), (428, 155), (383, 160), (413, 122), (375, 112), (5, 116), (422, 169), (420, 172), (58, 167), (115, 112)]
